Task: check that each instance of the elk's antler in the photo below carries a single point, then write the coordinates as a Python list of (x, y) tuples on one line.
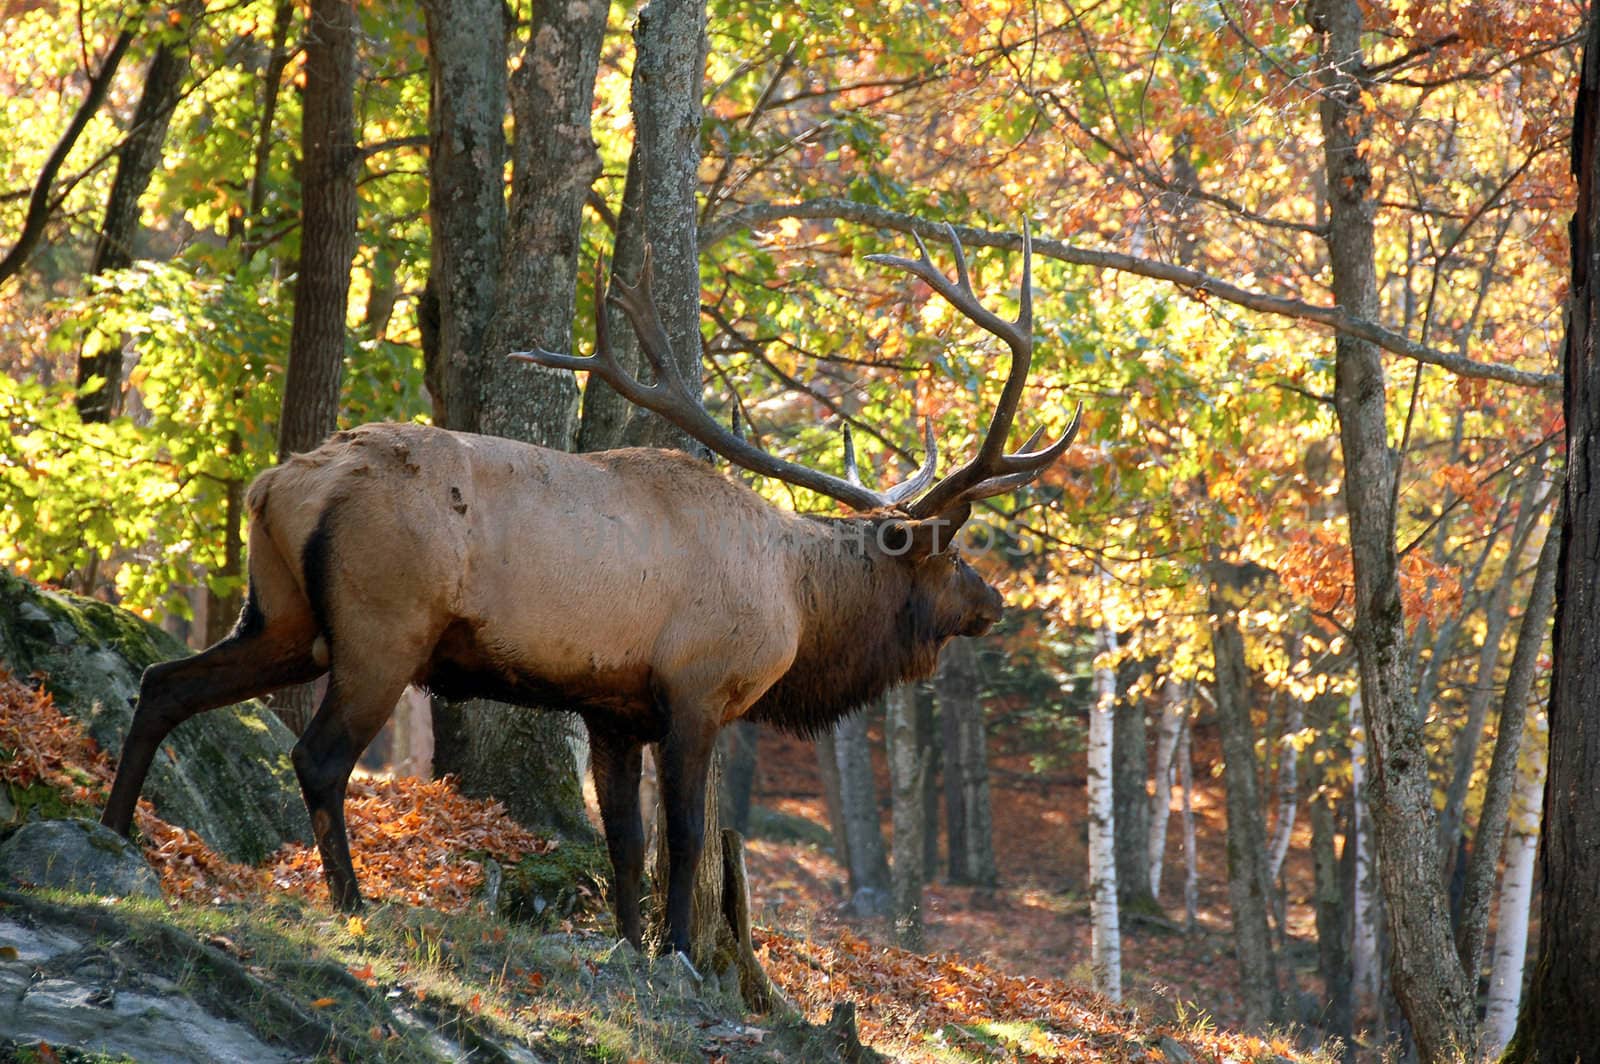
[(672, 399), (991, 471)]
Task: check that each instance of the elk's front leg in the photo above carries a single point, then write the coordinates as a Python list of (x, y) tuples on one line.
[(616, 763), (685, 760)]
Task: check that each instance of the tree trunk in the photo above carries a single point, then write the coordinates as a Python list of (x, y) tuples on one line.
[(929, 754), (1364, 971), (329, 167), (1428, 981), (1191, 863), (828, 770), (1248, 887), (507, 285), (1560, 1021), (137, 159), (865, 858), (739, 774), (1105, 935), (39, 200), (1486, 845), (966, 767), (1516, 894), (658, 211), (1328, 884), (908, 770), (1174, 707), (1130, 752)]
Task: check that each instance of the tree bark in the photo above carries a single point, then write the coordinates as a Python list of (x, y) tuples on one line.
[(1328, 889), (1516, 894), (908, 770), (739, 774), (137, 159), (1105, 939), (1486, 845), (966, 767), (1364, 970), (1428, 981), (1560, 1021), (1248, 887), (1174, 708), (658, 211), (1130, 752), (1191, 863), (866, 860), (329, 167), (503, 285)]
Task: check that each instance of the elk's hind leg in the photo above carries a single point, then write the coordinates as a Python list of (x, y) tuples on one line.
[(270, 647), (616, 762), (368, 678)]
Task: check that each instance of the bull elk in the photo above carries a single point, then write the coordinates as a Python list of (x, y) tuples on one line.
[(654, 595)]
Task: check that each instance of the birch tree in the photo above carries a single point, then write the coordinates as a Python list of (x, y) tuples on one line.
[(1516, 895), (1105, 935)]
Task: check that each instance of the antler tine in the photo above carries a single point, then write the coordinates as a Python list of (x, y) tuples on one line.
[(923, 478), (852, 472)]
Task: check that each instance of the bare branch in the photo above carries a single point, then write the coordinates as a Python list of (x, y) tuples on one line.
[(1202, 284)]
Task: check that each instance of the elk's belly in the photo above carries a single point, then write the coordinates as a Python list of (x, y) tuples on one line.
[(465, 665)]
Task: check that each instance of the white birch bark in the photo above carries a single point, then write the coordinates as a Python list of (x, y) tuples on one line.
[(1173, 709), (1191, 863), (1288, 788), (907, 771), (1516, 894), (1364, 947), (1105, 938)]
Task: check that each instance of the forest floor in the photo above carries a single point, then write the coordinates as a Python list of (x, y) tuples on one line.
[(1036, 923), (426, 974)]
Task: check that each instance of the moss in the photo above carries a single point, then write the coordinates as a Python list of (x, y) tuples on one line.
[(40, 801), (543, 889), (224, 774), (14, 1052)]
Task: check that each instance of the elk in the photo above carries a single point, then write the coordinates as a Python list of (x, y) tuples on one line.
[(657, 597)]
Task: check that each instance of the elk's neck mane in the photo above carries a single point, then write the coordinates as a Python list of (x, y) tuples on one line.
[(865, 629)]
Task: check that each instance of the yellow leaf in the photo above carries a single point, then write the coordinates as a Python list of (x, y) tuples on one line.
[(357, 926), (322, 1003)]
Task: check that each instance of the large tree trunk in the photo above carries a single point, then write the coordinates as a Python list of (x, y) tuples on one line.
[(329, 167), (908, 770), (970, 814), (503, 285), (1560, 1021), (658, 211), (865, 858), (1428, 980), (1105, 936), (328, 209), (137, 159), (1248, 887)]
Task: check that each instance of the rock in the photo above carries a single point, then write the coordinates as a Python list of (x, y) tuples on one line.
[(77, 855), (65, 992), (1173, 1051), (225, 774)]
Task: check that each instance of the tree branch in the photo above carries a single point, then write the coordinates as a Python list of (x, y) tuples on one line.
[(1202, 284), (39, 202)]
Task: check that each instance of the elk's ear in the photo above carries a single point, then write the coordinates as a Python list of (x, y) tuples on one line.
[(921, 539)]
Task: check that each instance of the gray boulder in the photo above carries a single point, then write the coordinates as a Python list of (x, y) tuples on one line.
[(76, 855), (225, 774)]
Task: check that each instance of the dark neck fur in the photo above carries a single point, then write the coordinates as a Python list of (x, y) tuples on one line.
[(867, 628)]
